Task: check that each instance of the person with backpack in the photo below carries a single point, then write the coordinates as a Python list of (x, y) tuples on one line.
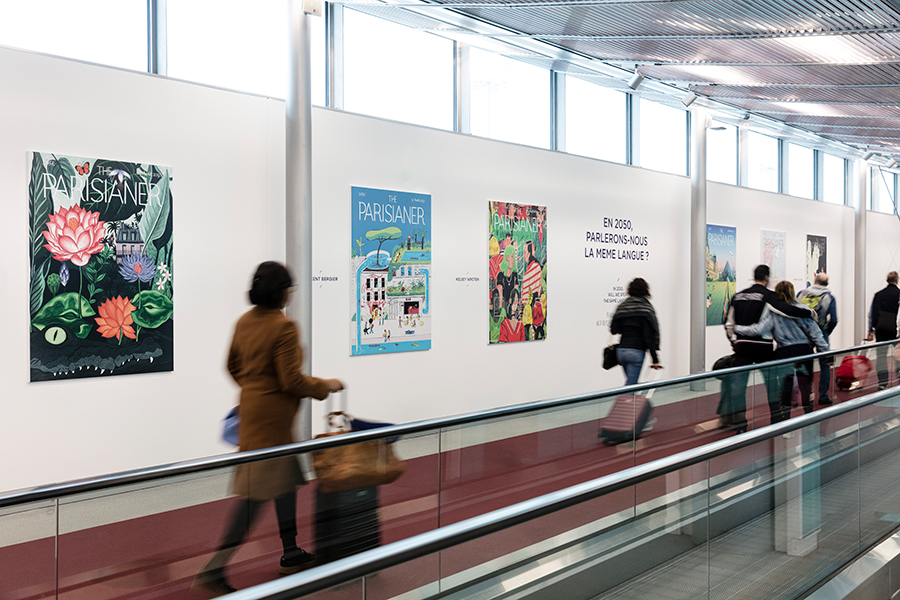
[(883, 324), (795, 337), (819, 298)]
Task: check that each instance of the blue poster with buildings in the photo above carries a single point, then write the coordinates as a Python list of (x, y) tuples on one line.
[(390, 271)]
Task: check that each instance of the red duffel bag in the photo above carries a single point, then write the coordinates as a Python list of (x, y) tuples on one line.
[(852, 372)]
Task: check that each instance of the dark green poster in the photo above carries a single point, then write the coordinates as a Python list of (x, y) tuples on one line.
[(100, 247)]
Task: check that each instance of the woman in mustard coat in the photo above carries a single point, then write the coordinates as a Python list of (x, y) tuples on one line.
[(265, 360)]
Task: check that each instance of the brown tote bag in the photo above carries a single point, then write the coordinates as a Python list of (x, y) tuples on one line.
[(354, 466)]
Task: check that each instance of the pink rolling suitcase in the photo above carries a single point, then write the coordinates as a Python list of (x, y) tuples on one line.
[(629, 410)]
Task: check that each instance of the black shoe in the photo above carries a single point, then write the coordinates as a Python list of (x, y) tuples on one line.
[(825, 401), (294, 561), (211, 584), (882, 386)]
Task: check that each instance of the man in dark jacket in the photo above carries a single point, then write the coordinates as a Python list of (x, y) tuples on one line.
[(883, 324), (746, 309)]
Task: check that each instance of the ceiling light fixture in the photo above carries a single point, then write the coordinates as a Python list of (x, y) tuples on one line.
[(636, 80), (868, 155), (893, 163), (689, 99)]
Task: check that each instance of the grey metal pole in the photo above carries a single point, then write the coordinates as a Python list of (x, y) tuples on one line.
[(860, 312), (699, 119), (298, 188), (157, 41)]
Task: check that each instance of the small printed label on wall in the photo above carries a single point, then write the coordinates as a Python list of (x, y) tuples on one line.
[(323, 279), (467, 279)]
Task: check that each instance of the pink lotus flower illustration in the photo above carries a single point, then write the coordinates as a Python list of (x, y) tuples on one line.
[(74, 234)]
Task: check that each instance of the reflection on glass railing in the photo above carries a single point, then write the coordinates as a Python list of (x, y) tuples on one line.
[(156, 536)]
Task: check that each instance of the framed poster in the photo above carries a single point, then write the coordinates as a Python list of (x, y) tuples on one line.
[(101, 286), (816, 257), (390, 271), (721, 250), (773, 253), (517, 264)]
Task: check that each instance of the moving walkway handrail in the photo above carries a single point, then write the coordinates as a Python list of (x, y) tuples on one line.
[(223, 461), (391, 555)]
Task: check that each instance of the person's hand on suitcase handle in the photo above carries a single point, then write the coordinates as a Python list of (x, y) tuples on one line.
[(656, 366), (334, 385)]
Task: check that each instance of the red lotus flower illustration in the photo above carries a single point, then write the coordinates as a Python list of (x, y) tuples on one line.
[(115, 318), (74, 234)]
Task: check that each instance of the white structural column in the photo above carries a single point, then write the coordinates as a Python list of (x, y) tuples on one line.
[(699, 118), (462, 88), (298, 188), (860, 306)]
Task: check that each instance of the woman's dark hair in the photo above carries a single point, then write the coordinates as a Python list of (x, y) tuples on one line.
[(269, 283), (639, 287)]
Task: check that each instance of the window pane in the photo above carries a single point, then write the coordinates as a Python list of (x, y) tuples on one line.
[(663, 138), (238, 48), (763, 162), (109, 32), (510, 99), (801, 169), (883, 190), (395, 72), (721, 153), (834, 180), (595, 120)]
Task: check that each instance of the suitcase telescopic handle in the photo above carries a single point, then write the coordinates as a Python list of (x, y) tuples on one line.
[(329, 404)]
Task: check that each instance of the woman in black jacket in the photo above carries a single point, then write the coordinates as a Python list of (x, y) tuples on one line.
[(636, 320)]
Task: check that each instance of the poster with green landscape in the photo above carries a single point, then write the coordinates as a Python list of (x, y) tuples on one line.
[(721, 250)]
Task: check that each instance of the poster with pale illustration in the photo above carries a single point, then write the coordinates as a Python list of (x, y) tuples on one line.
[(772, 248), (100, 249), (816, 257), (721, 249), (390, 271), (517, 263)]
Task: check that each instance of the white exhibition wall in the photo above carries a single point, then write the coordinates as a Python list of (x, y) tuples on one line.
[(226, 151), (227, 154), (752, 211), (882, 253)]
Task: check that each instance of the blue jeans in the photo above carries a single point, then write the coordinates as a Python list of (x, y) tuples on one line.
[(631, 360)]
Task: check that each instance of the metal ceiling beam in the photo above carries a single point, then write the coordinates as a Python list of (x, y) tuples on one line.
[(703, 36), (763, 86), (706, 63), (807, 102), (537, 4)]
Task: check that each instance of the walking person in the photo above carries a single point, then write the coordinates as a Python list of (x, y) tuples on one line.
[(265, 360), (795, 337), (746, 309), (883, 324), (636, 320), (819, 298)]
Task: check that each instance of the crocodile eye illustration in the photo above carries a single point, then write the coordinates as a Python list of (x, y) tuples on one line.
[(55, 335)]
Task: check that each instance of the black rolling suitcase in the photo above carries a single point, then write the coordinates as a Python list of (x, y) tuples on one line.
[(346, 523)]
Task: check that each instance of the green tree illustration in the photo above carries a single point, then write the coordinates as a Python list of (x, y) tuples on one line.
[(381, 236)]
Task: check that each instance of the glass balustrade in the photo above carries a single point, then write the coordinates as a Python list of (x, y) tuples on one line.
[(804, 488)]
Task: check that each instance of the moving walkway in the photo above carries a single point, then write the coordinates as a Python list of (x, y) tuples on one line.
[(146, 533)]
